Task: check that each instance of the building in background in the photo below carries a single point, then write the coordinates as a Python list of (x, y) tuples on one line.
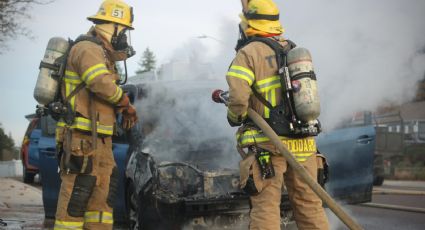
[(176, 70)]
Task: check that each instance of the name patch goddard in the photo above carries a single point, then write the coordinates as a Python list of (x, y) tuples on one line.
[(301, 145)]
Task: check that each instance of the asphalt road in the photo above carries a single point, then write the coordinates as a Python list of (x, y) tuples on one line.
[(378, 218), (29, 216)]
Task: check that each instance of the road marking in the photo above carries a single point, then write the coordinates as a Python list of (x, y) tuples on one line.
[(394, 207), (397, 192)]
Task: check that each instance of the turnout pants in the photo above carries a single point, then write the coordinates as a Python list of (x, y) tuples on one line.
[(265, 206), (89, 184)]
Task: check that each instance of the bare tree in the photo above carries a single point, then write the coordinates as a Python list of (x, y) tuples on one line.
[(12, 15)]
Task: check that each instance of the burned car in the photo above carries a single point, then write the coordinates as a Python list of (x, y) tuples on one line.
[(182, 164)]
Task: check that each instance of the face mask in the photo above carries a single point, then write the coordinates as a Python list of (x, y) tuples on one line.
[(119, 42), (122, 50)]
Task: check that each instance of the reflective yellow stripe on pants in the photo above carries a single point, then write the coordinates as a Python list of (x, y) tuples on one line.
[(98, 217), (62, 225)]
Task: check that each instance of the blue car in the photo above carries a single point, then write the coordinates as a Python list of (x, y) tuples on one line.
[(178, 165), (182, 168), (49, 169), (29, 149)]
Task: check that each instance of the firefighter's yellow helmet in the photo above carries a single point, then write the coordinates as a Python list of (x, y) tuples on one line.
[(263, 15), (115, 11)]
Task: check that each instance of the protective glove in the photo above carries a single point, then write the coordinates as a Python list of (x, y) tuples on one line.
[(128, 112), (123, 103), (129, 117)]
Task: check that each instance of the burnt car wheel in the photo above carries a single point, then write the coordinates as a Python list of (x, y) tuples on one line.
[(133, 211)]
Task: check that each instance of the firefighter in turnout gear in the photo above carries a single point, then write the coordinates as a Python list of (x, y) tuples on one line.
[(90, 85), (254, 82)]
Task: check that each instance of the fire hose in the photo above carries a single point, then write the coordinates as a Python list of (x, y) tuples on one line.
[(220, 96)]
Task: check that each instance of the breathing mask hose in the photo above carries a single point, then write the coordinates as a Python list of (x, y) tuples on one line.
[(300, 170), (126, 76)]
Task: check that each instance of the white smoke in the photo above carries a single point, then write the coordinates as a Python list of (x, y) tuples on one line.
[(181, 123), (366, 53)]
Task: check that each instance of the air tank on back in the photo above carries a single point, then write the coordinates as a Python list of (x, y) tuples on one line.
[(303, 79), (47, 81)]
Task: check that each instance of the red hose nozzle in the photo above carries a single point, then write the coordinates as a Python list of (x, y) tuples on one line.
[(216, 96)]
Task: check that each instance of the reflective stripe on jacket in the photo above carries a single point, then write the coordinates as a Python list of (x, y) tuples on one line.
[(84, 124), (255, 66), (90, 63), (300, 148)]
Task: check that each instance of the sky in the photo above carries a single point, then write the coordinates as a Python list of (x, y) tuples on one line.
[(364, 52)]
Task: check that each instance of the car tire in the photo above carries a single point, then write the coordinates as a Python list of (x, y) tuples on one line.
[(378, 180), (28, 177), (144, 218)]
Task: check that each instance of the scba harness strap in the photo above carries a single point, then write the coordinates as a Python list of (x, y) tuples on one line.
[(81, 38), (60, 108), (283, 114)]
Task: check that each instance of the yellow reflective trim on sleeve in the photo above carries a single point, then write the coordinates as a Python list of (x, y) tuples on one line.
[(241, 73), (233, 117), (93, 72), (116, 97), (68, 225), (244, 70), (240, 76), (236, 118), (245, 115), (96, 74)]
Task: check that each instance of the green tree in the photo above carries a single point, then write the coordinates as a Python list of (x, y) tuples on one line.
[(12, 14), (147, 62), (6, 142)]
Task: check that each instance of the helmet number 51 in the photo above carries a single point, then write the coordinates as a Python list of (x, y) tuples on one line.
[(117, 13)]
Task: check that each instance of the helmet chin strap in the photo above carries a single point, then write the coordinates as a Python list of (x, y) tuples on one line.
[(242, 38), (114, 38)]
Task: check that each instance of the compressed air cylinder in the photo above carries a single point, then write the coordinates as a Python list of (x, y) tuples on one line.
[(304, 83), (47, 84)]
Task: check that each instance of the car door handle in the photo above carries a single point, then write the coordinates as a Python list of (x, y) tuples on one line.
[(50, 152), (364, 139)]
